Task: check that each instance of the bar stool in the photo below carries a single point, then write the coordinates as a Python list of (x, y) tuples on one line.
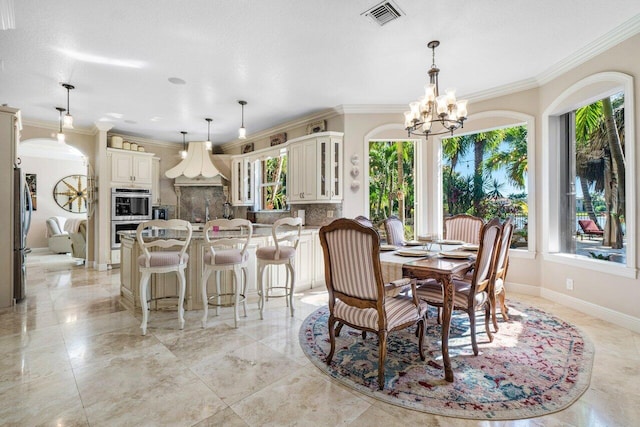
[(283, 253), (163, 234), (227, 241)]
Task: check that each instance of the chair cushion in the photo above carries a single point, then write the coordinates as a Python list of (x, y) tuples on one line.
[(399, 310), (269, 252), (162, 259), (226, 256), (499, 286), (431, 291)]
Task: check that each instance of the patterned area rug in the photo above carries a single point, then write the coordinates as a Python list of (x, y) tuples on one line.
[(536, 365)]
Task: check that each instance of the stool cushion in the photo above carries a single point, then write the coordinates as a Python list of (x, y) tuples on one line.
[(226, 256), (162, 259), (269, 252)]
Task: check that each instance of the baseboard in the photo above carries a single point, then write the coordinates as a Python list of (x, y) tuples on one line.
[(620, 319)]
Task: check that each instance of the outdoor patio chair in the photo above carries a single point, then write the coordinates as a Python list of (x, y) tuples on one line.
[(590, 228)]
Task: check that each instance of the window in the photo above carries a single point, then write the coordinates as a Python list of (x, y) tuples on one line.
[(592, 217), (392, 183), (485, 174), (571, 152), (273, 181)]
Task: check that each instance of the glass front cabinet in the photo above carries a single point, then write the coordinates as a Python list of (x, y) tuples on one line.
[(242, 183), (329, 158)]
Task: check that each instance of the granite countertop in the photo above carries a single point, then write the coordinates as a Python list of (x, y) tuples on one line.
[(262, 230)]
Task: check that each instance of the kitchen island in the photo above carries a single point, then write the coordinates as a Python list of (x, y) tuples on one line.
[(164, 287)]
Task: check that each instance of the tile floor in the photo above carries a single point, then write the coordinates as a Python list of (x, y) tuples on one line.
[(71, 355)]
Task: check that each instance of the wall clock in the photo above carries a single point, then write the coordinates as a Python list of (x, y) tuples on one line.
[(70, 193)]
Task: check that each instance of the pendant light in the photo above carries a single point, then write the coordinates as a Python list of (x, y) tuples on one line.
[(68, 118), (60, 135), (207, 143), (183, 152), (242, 132)]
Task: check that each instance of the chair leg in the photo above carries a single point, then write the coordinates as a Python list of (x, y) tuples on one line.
[(217, 291), (503, 305), (236, 297), (382, 342), (286, 285), (421, 338), (492, 303), (244, 290), (332, 337), (205, 297), (339, 328), (472, 328), (182, 282), (261, 268), (487, 315), (293, 283), (144, 286)]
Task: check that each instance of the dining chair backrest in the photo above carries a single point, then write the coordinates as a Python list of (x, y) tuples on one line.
[(505, 243), (364, 220), (352, 261), (463, 227), (394, 229), (286, 231), (487, 255), (165, 234), (216, 234)]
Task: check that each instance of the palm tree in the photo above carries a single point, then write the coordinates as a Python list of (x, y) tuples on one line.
[(514, 159)]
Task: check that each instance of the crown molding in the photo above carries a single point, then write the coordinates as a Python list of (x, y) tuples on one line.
[(282, 127), (146, 141), (624, 31), (56, 127)]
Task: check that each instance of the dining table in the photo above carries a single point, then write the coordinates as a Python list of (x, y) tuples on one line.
[(431, 265)]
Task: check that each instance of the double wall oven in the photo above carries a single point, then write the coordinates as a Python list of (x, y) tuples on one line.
[(129, 207)]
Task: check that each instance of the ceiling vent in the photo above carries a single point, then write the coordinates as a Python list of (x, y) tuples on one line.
[(383, 13)]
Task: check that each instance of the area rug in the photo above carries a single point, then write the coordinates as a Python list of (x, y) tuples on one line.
[(536, 365)]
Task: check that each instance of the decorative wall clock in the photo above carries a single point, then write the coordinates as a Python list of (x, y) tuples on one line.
[(70, 193)]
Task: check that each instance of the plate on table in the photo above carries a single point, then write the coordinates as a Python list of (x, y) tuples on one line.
[(413, 252), (455, 254), (470, 247), (414, 243), (388, 248), (450, 242)]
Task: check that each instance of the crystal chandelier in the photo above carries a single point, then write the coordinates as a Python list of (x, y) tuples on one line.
[(442, 110)]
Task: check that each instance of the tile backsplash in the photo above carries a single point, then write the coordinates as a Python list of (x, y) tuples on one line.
[(315, 214)]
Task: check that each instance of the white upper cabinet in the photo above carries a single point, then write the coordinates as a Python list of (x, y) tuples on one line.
[(131, 168), (242, 181), (301, 181), (315, 169)]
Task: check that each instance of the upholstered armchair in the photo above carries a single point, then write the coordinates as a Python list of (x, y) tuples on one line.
[(357, 296), (59, 239), (463, 227)]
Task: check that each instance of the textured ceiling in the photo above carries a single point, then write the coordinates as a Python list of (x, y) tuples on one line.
[(286, 58)]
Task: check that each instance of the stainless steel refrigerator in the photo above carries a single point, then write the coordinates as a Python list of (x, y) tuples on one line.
[(22, 210)]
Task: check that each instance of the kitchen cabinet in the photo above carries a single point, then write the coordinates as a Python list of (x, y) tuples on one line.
[(130, 168), (155, 183), (242, 181), (302, 171), (315, 169), (329, 158)]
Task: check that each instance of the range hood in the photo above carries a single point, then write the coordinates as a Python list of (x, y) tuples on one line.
[(197, 168)]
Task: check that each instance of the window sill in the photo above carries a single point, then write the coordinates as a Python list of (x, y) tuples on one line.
[(613, 268), (522, 253)]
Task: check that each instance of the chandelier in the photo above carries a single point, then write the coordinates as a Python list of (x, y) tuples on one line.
[(444, 111)]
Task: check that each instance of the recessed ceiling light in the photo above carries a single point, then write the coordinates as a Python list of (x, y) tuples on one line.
[(156, 118), (177, 81)]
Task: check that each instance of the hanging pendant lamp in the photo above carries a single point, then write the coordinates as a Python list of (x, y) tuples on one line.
[(68, 118), (60, 136), (207, 143), (183, 152), (242, 132)]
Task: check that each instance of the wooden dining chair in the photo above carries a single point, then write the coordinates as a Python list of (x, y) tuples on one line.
[(500, 273), (463, 227), (364, 220), (394, 230), (357, 296), (474, 294)]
